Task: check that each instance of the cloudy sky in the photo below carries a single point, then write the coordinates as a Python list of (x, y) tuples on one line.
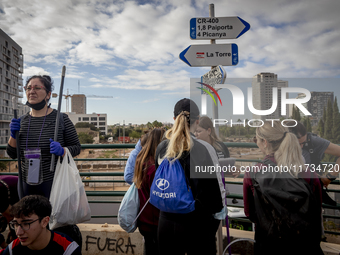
[(129, 49)]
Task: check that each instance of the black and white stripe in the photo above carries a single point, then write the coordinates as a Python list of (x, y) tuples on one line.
[(67, 138)]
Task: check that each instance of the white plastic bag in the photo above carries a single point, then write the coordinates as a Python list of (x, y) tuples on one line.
[(128, 210), (68, 197)]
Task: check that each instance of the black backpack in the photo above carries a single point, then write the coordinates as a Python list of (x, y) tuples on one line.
[(285, 207)]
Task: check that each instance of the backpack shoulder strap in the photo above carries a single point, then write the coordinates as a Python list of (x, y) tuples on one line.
[(310, 143)]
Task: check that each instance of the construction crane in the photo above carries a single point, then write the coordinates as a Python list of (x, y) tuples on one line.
[(67, 96)]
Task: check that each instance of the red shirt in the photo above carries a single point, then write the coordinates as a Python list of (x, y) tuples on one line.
[(148, 219)]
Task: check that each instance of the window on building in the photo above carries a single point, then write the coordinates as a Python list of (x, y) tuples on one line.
[(85, 118), (94, 123), (93, 118), (101, 128), (101, 118), (101, 123), (79, 118)]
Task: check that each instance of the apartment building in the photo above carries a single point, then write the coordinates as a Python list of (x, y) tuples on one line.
[(78, 104), (98, 120), (317, 103), (262, 85), (11, 83)]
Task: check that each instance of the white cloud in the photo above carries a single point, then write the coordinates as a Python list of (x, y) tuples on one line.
[(34, 70), (150, 100), (130, 45)]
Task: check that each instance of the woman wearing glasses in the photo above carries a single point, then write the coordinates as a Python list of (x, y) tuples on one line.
[(36, 131), (283, 201)]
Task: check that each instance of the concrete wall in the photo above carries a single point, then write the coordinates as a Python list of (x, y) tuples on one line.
[(111, 239)]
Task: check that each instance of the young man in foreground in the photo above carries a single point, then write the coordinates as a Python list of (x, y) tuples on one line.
[(31, 217)]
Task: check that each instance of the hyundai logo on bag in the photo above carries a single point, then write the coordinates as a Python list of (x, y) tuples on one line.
[(162, 184)]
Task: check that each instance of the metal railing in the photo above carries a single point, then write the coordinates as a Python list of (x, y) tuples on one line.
[(121, 174)]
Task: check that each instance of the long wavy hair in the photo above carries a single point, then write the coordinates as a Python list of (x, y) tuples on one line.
[(283, 144), (146, 157)]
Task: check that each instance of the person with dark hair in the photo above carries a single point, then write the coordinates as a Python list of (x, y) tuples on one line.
[(206, 132), (36, 131), (193, 232), (8, 197), (130, 164), (143, 176), (31, 217), (313, 150)]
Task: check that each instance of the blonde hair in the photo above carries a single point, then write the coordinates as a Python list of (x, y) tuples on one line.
[(206, 123), (179, 137), (284, 145)]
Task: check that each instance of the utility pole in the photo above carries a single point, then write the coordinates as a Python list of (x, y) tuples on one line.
[(214, 107)]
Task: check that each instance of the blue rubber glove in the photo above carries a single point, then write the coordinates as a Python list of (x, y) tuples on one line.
[(14, 126), (55, 148)]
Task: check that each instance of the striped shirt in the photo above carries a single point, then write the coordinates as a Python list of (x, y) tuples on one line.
[(67, 138)]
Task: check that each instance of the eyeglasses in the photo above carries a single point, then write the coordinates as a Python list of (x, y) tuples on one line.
[(36, 88), (24, 225), (254, 139)]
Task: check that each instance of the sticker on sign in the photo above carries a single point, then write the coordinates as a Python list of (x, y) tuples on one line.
[(217, 28)]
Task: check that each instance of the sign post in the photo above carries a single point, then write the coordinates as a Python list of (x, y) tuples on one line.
[(214, 55)]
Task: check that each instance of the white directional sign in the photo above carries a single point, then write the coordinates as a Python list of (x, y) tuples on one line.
[(210, 55), (217, 28)]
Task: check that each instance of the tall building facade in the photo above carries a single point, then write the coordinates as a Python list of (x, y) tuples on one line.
[(317, 103), (78, 104), (262, 85), (11, 82)]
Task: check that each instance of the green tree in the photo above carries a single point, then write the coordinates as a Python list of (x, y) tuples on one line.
[(149, 125), (157, 124), (85, 138), (324, 115), (336, 122), (329, 121), (296, 114), (321, 128), (135, 134), (304, 121)]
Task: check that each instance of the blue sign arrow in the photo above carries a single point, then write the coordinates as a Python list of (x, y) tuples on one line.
[(217, 28), (210, 55)]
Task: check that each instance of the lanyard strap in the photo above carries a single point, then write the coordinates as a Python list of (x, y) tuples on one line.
[(29, 123)]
